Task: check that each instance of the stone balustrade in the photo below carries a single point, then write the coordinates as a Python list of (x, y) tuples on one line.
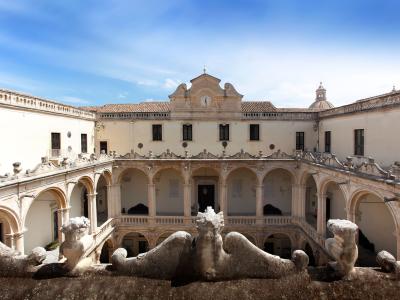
[(8, 97), (46, 167)]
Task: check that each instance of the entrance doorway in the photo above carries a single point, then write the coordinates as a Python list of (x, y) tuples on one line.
[(205, 196)]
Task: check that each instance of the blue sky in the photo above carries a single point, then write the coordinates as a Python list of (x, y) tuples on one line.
[(96, 52)]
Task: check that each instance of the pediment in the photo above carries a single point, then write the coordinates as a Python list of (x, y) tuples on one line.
[(206, 95)]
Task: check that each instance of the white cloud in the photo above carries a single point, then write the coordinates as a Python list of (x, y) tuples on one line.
[(74, 100), (170, 83)]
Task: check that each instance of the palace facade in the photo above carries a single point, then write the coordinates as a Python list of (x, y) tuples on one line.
[(140, 172)]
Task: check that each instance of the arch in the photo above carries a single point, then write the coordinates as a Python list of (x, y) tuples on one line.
[(335, 200), (107, 175), (235, 168), (290, 171), (278, 244), (11, 218), (78, 200), (310, 252), (305, 176), (88, 183), (377, 224), (123, 173), (277, 194), (102, 200), (169, 184), (43, 219), (205, 189), (106, 251), (310, 199), (134, 191), (134, 243), (215, 171), (241, 190), (61, 198)]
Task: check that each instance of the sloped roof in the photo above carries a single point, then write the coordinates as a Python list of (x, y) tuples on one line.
[(257, 106), (136, 107)]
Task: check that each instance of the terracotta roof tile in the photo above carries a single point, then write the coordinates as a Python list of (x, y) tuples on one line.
[(257, 106), (137, 107)]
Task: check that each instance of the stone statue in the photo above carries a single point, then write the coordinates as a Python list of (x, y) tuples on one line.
[(342, 247), (388, 263), (77, 242), (13, 264), (208, 256)]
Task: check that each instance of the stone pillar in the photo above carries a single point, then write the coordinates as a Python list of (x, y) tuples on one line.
[(321, 217), (295, 200), (259, 203), (18, 242), (187, 201), (302, 201), (115, 200), (92, 212), (109, 202), (223, 191), (151, 200), (63, 217)]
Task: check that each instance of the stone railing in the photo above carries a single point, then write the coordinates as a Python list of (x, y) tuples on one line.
[(169, 155), (102, 234), (309, 230), (309, 116), (46, 167), (362, 166), (136, 115), (239, 220), (277, 220), (385, 100), (12, 98)]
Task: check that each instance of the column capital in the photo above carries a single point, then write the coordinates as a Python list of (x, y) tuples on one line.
[(92, 194)]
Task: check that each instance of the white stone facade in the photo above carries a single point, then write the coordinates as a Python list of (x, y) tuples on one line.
[(142, 190)]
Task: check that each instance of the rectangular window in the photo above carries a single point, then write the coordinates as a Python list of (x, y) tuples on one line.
[(359, 142), (103, 147), (55, 144), (83, 143), (300, 140), (157, 132), (187, 132), (327, 141), (254, 132), (224, 132)]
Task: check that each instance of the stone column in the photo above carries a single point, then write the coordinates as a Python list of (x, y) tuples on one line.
[(223, 190), (63, 217), (321, 217), (115, 200), (92, 212), (295, 200), (302, 201), (151, 200), (18, 242), (109, 202), (187, 201), (259, 203)]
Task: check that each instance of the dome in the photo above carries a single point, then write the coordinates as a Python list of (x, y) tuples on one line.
[(320, 99), (321, 104)]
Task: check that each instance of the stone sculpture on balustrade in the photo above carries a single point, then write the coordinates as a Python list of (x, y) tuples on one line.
[(208, 257), (342, 247)]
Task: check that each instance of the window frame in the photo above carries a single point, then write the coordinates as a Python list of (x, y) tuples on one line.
[(187, 132), (102, 142), (328, 146), (254, 137), (300, 136), (359, 142), (157, 136), (224, 132), (84, 143)]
